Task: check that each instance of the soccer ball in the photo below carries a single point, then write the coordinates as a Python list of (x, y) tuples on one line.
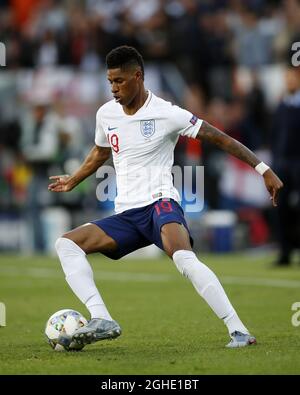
[(64, 321)]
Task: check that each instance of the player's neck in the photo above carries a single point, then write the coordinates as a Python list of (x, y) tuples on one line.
[(137, 103)]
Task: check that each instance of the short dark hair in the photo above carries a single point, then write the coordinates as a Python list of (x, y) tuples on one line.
[(124, 56)]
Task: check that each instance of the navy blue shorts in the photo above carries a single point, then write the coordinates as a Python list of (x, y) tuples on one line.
[(140, 227)]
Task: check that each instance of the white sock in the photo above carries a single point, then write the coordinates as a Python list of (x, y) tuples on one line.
[(208, 286), (79, 276)]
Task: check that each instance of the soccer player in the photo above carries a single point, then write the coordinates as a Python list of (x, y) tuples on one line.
[(141, 130)]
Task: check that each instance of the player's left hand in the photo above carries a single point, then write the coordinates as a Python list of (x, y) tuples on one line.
[(273, 185)]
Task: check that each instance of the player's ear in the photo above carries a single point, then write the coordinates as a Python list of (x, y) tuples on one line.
[(138, 75)]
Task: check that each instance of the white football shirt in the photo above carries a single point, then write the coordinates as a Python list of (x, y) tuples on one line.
[(143, 148)]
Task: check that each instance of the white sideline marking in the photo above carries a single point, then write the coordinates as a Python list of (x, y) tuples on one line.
[(34, 272), (266, 282), (99, 275)]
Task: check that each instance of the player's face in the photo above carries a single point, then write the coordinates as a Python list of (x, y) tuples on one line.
[(125, 84)]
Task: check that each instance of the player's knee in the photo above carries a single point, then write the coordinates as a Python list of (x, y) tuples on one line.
[(67, 235), (171, 249), (79, 238), (171, 246), (174, 238)]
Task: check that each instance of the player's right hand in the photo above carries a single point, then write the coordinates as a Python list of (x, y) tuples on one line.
[(61, 183)]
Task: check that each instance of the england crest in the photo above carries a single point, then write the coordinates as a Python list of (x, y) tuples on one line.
[(148, 128)]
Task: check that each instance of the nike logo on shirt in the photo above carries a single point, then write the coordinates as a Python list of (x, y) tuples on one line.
[(112, 128)]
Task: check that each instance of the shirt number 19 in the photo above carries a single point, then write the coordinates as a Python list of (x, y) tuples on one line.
[(114, 142)]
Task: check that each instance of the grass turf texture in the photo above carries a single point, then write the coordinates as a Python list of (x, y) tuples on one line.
[(167, 327)]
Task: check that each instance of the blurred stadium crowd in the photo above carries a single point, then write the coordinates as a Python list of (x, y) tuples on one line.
[(227, 61)]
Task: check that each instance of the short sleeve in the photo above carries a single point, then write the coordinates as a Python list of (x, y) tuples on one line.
[(184, 122), (100, 137)]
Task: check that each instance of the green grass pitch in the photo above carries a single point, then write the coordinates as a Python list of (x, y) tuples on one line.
[(167, 327)]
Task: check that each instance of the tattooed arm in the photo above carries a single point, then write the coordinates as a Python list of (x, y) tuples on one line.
[(213, 135)]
